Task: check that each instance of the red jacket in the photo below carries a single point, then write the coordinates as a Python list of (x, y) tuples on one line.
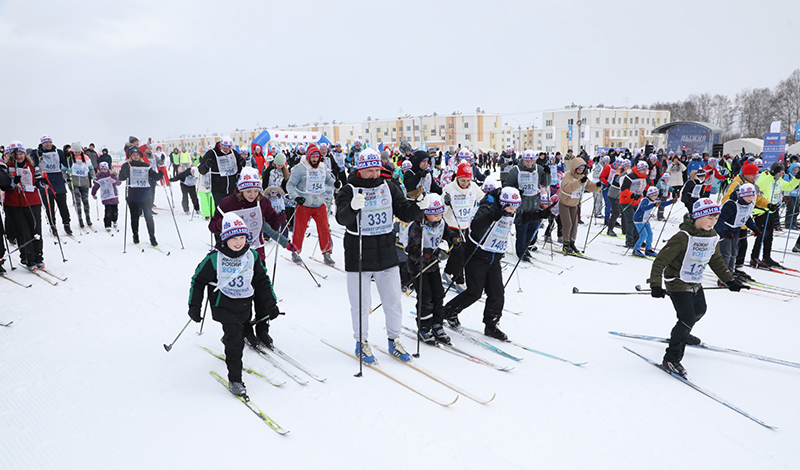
[(625, 189), (18, 197)]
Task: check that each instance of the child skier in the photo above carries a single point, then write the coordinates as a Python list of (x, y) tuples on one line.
[(107, 183), (641, 218), (488, 238), (234, 280), (735, 213), (422, 249), (682, 263)]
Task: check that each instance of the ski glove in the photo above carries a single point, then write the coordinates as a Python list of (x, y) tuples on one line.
[(273, 311), (194, 314), (290, 246), (357, 203), (736, 285), (447, 199), (423, 203), (17, 179), (657, 292), (584, 179), (773, 207), (636, 197), (300, 200)]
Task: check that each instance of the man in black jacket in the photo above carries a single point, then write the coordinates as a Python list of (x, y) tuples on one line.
[(370, 251), (225, 164)]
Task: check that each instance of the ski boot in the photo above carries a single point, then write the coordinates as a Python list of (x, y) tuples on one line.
[(326, 257), (674, 367), (772, 263), (396, 349), (265, 339), (651, 252), (67, 229), (637, 253), (692, 340), (364, 352), (491, 330), (439, 334), (426, 336), (135, 238), (153, 241), (238, 389), (296, 259), (575, 248)]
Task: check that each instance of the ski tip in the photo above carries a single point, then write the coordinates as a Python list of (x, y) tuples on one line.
[(575, 290), (638, 287), (167, 347)]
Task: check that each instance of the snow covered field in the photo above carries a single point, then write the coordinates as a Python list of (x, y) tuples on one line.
[(85, 382)]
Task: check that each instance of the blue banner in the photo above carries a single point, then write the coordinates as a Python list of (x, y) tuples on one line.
[(774, 147), (797, 131), (569, 134)]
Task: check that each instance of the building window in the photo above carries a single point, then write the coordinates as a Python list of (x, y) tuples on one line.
[(626, 121), (597, 133), (597, 120), (466, 126), (613, 134), (394, 129), (637, 120), (385, 132), (450, 138), (351, 132), (570, 121), (636, 133), (378, 130), (467, 137), (450, 125), (408, 128), (648, 120), (548, 122), (606, 120), (548, 135), (416, 128), (416, 139), (613, 120), (433, 132)]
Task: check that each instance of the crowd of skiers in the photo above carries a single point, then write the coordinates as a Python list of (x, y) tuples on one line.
[(404, 213)]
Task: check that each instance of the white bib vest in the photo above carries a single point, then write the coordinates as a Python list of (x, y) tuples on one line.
[(235, 275)]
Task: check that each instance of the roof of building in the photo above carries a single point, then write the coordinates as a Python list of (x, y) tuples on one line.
[(663, 129)]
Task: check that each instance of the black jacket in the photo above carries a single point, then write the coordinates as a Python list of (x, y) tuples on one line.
[(139, 194), (219, 183), (489, 211), (378, 252), (419, 258), (223, 308)]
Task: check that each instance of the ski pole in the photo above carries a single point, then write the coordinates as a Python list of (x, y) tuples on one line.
[(172, 210), (766, 224), (360, 306), (576, 291), (50, 221), (169, 346), (519, 286), (309, 271), (665, 224), (520, 259), (205, 309), (10, 252), (791, 224), (409, 282), (639, 288), (125, 231)]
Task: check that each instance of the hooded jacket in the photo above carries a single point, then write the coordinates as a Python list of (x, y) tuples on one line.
[(219, 183), (296, 186), (571, 186), (415, 179), (531, 207)]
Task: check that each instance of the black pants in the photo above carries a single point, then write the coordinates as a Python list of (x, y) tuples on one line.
[(233, 339), (743, 233), (111, 214), (550, 222), (142, 208), (2, 241), (430, 296), (218, 197), (791, 211), (482, 274), (631, 234), (58, 200), (189, 192), (690, 308), (458, 256), (768, 228), (616, 210), (27, 222)]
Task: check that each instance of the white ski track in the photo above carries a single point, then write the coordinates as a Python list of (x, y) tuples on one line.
[(250, 371), (377, 368), (708, 347), (295, 363), (702, 390), (412, 334), (8, 278), (526, 348), (255, 409), (268, 357), (412, 364)]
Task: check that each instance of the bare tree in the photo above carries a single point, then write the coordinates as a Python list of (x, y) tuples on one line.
[(754, 111), (787, 97)]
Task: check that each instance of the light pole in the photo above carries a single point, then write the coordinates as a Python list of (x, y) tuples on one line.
[(519, 134)]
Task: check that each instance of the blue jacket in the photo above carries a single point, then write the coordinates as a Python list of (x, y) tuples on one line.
[(645, 209)]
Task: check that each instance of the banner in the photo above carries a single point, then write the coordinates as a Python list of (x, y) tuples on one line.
[(569, 133), (775, 127), (797, 131), (774, 147), (296, 137)]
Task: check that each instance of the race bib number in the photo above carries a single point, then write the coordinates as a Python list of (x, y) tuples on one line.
[(315, 181), (743, 213), (637, 186), (497, 240), (253, 219), (50, 162), (463, 205), (227, 164), (106, 189), (698, 253), (80, 169), (528, 182), (26, 179), (377, 216), (139, 177), (235, 275)]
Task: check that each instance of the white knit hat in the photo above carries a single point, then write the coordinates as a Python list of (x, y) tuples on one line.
[(704, 207)]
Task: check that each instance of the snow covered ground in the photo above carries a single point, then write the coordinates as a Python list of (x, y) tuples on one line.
[(86, 383)]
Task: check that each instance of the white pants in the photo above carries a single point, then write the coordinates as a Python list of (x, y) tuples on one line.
[(388, 283)]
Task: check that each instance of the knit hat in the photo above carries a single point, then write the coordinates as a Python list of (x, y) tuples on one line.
[(510, 197), (435, 205), (77, 147), (406, 165), (226, 142), (528, 155), (232, 226), (626, 162), (488, 186), (701, 173), (665, 176), (45, 138), (368, 159), (248, 179), (746, 190), (385, 155), (750, 169), (464, 171), (653, 157), (132, 149), (312, 150), (323, 145), (759, 162), (280, 159), (605, 159), (15, 145), (652, 191), (465, 154), (704, 207), (642, 166), (103, 165), (132, 140)]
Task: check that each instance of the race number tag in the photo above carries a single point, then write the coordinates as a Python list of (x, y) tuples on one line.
[(235, 275), (698, 253)]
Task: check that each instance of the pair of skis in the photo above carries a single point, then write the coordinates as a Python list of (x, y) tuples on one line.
[(697, 387), (269, 355)]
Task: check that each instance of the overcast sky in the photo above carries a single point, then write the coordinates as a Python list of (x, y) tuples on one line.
[(99, 71)]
